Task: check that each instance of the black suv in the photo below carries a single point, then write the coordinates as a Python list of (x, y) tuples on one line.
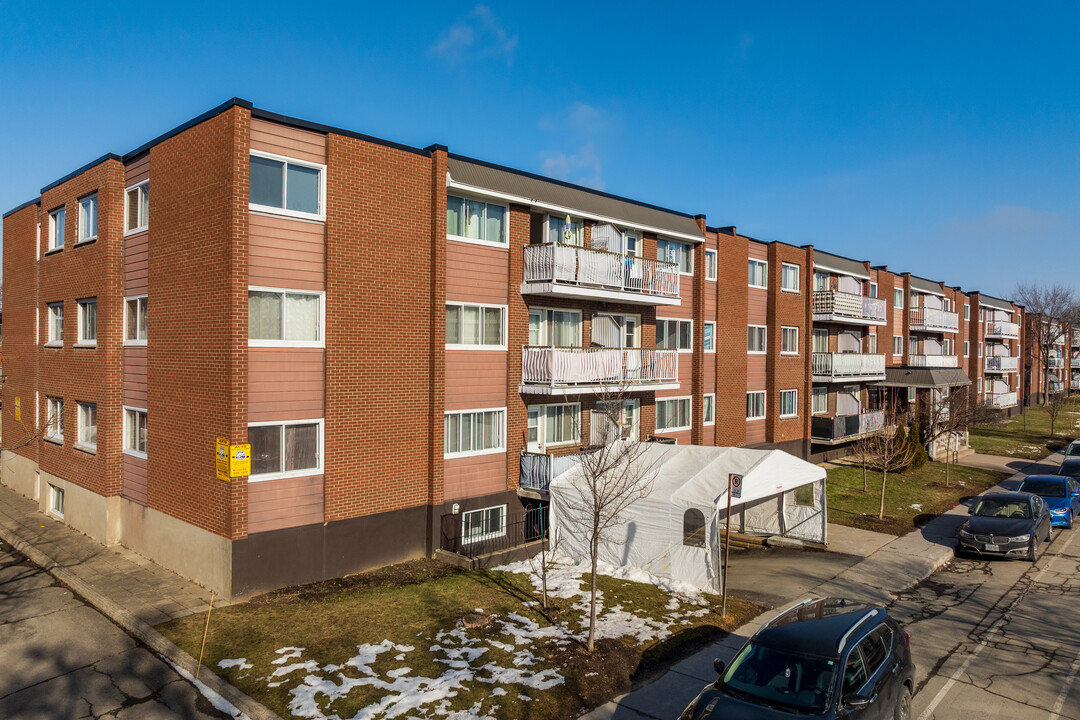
[(825, 657)]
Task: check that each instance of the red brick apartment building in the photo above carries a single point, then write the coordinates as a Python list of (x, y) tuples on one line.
[(412, 342), (1062, 375)]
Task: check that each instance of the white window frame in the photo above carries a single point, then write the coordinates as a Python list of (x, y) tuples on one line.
[(980, 349), (56, 500), (142, 190), (321, 342), (541, 440), (765, 273), (306, 472), (898, 295), (711, 260), (127, 434), (980, 388), (474, 453), (967, 311), (764, 339), (873, 290), (688, 250), (57, 228), (798, 273), (764, 405), (816, 392), (784, 328), (141, 301), (676, 400), (487, 535), (871, 343), (899, 338), (54, 418), (560, 239), (270, 209), (704, 343), (88, 216), (79, 442), (81, 340), (795, 403), (678, 333), (546, 323), (502, 245), (708, 409), (482, 346), (55, 309)]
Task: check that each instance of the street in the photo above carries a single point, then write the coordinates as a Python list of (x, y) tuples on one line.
[(63, 659)]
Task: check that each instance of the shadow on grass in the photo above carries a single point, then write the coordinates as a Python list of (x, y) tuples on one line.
[(682, 644)]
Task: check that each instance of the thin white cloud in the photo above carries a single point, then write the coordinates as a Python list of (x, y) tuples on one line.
[(583, 166), (1007, 219), (579, 126), (478, 35)]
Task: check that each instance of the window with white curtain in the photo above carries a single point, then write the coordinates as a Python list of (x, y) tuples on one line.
[(556, 424), (288, 449), (789, 340), (475, 325), (819, 400), (474, 432), (821, 340), (88, 425), (56, 323), (137, 207), (708, 409), (897, 345), (789, 403), (755, 405), (821, 281), (674, 334), (710, 264), (87, 229), (135, 431), (565, 230), (476, 220), (56, 229), (549, 327), (672, 414), (54, 420), (789, 277), (88, 321), (898, 298), (757, 276), (135, 317), (755, 339), (284, 318), (673, 251)]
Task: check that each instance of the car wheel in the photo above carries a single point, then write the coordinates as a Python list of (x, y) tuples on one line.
[(903, 705), (1049, 532), (1068, 520), (1033, 550)]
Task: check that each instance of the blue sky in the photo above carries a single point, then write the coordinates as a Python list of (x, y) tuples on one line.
[(937, 138)]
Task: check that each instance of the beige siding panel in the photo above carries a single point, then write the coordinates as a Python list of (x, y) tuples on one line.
[(476, 273), (133, 480), (755, 431), (682, 437), (287, 253), (755, 372), (285, 384), (474, 476), (135, 264), (135, 376), (289, 141), (285, 503), (757, 251), (709, 385), (757, 306), (686, 369), (475, 379), (137, 170)]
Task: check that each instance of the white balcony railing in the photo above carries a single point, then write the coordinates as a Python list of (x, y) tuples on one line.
[(1001, 400), (840, 306), (995, 329), (573, 265), (1002, 363), (598, 366), (847, 365), (1056, 386), (1076, 338), (1056, 362), (1075, 362), (942, 361), (1074, 384), (934, 320)]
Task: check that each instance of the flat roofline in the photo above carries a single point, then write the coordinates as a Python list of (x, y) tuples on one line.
[(25, 205)]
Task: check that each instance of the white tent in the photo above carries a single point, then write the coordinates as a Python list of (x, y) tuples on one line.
[(677, 529)]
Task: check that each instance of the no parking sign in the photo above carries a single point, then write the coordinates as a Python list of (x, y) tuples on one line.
[(735, 483)]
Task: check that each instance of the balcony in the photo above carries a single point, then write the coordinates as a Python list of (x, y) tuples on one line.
[(1074, 384), (1056, 386), (538, 470), (567, 371), (840, 367), (925, 319), (1002, 363), (1076, 338), (1056, 363), (1001, 400), (1002, 330), (842, 307), (941, 361), (1075, 362), (571, 271), (840, 429)]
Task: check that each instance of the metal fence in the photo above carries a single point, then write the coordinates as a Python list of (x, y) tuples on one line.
[(527, 526)]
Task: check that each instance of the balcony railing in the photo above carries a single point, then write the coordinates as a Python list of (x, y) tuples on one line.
[(600, 269), (538, 470), (1002, 363), (1076, 338), (1074, 384), (1056, 362), (846, 427), (1056, 386), (942, 361), (927, 319), (847, 366), (995, 329), (1001, 400), (848, 307), (578, 367), (1075, 362)]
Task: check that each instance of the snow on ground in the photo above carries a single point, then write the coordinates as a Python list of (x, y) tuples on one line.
[(916, 506)]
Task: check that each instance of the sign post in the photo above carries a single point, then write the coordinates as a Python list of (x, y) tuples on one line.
[(734, 489)]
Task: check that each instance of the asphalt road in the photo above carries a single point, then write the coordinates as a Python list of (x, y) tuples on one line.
[(63, 659)]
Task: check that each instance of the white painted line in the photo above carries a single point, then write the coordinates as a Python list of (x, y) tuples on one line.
[(1055, 712)]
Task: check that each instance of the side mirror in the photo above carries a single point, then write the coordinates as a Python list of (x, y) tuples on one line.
[(719, 666), (971, 511), (857, 702)]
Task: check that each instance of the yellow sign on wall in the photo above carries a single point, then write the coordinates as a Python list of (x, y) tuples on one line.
[(240, 460), (221, 458), (18, 409)]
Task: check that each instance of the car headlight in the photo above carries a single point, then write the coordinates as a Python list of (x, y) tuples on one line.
[(1060, 511), (965, 534), (688, 713), (1020, 538)]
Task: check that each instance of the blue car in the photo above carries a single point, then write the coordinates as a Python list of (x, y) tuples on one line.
[(1062, 495)]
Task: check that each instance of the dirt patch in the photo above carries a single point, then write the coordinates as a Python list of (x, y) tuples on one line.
[(412, 572)]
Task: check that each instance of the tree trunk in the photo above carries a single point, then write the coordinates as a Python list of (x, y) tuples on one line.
[(592, 599), (543, 573), (881, 510), (864, 472)]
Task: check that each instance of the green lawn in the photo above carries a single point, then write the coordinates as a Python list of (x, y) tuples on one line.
[(911, 498), (391, 642), (1011, 439)]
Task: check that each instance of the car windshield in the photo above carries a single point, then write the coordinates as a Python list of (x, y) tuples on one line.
[(776, 677), (1073, 449), (1071, 469), (1046, 488), (1003, 508)]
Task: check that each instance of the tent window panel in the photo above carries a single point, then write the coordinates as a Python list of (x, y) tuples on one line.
[(804, 496), (693, 528)]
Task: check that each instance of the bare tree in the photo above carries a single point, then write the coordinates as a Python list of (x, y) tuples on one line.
[(542, 562), (1049, 308), (1054, 405), (888, 449), (945, 417)]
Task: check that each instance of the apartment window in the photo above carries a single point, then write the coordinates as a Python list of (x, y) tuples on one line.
[(709, 338), (137, 207), (821, 340), (87, 218), (789, 277), (88, 322), (755, 405), (54, 419), (708, 409), (873, 290), (757, 276), (285, 449), (56, 229), (821, 281), (474, 432), (980, 349), (946, 305), (56, 500), (980, 386), (897, 345), (672, 414), (553, 425), (476, 220), (913, 345), (56, 323), (710, 264), (819, 400), (789, 403), (871, 343), (982, 314), (676, 252), (287, 186), (281, 317), (565, 230), (477, 525), (755, 339), (88, 425), (475, 325), (554, 328), (135, 431), (673, 334), (898, 298), (789, 341), (967, 311), (135, 316), (967, 347)]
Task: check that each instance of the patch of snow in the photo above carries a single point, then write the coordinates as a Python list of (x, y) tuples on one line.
[(916, 506), (220, 703), (241, 663)]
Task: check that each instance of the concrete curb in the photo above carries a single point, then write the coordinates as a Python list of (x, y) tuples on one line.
[(141, 630)]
